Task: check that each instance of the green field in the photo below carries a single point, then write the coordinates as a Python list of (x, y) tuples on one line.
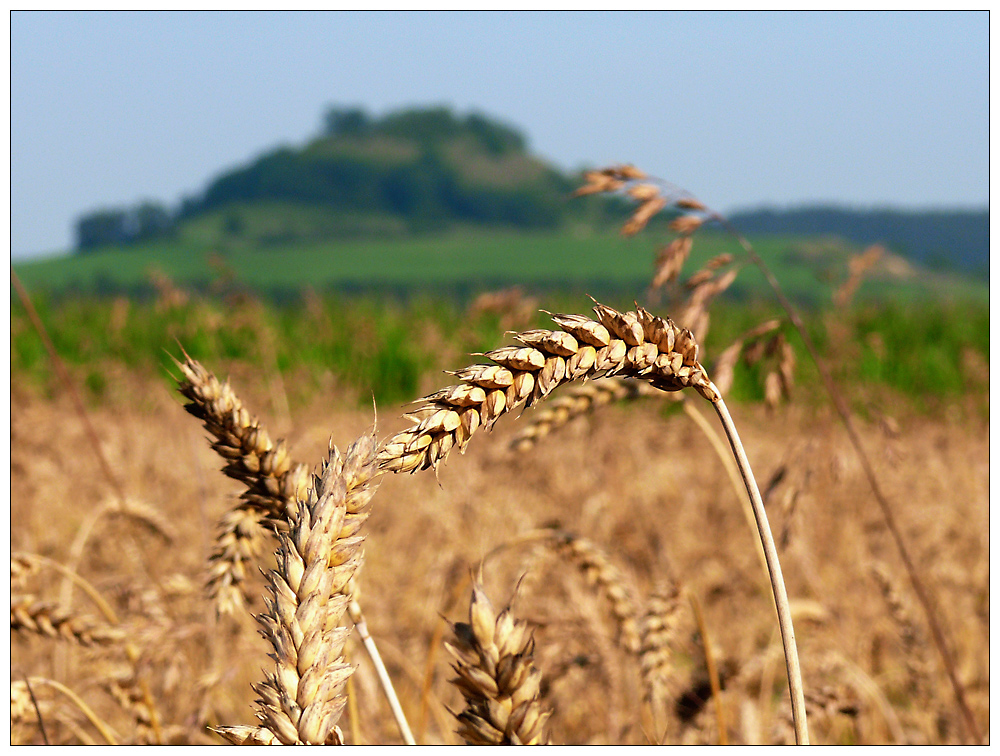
[(604, 264), (381, 315)]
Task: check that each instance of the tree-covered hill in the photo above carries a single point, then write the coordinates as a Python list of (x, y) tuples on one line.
[(410, 171)]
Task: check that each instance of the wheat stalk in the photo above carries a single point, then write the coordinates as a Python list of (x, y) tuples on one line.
[(109, 735), (497, 678)]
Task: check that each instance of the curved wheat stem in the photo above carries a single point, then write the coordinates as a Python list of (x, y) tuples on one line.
[(619, 178), (497, 677), (792, 667)]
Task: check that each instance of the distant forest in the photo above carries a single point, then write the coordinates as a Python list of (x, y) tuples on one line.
[(424, 170), (938, 239)]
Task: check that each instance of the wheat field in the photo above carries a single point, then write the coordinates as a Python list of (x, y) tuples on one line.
[(648, 492), (592, 577)]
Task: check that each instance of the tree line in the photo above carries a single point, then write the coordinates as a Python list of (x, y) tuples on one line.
[(941, 239)]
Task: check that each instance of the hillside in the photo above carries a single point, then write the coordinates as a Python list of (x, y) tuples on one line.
[(463, 262)]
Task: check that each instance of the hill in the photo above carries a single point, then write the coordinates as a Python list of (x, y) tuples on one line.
[(413, 171)]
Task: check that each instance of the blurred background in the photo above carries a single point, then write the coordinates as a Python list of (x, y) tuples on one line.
[(331, 207)]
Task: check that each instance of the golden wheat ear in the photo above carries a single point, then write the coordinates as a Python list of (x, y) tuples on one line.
[(273, 482), (494, 663), (302, 699), (631, 344)]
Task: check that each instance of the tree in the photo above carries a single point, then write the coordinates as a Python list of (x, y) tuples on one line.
[(345, 122)]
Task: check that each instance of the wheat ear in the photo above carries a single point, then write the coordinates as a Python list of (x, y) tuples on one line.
[(658, 632), (301, 701), (634, 344), (29, 615), (272, 480), (601, 573), (497, 677)]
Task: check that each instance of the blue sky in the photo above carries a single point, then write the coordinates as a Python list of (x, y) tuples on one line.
[(742, 109)]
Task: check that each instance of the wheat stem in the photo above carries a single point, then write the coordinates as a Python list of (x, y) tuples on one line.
[(354, 610), (731, 471), (774, 571), (102, 727), (710, 667)]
